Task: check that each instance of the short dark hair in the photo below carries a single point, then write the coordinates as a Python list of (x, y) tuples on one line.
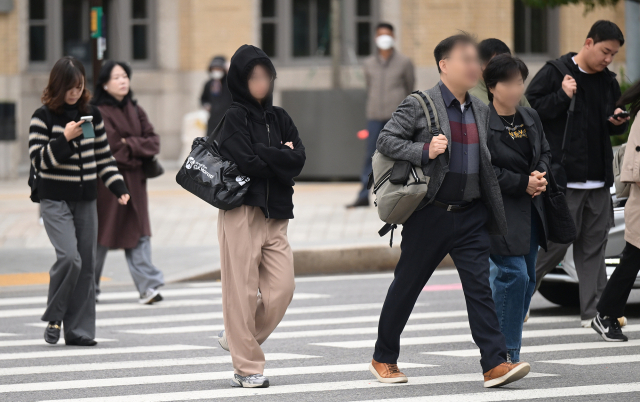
[(67, 73), (444, 48), (502, 68), (491, 47), (385, 25), (605, 30)]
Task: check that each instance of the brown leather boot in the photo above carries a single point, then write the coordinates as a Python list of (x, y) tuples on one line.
[(505, 373), (388, 373)]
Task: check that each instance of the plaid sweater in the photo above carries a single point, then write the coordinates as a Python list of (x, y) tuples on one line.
[(68, 170)]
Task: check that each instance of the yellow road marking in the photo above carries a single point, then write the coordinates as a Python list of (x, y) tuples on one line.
[(30, 278)]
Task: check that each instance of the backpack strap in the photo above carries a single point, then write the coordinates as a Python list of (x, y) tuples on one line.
[(433, 125), (564, 71)]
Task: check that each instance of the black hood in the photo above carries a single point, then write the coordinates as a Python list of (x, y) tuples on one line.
[(242, 62)]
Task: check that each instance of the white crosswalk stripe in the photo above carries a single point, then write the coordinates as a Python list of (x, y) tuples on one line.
[(31, 342), (168, 352), (346, 320), (289, 389), (72, 352), (120, 365), (369, 343), (592, 361), (562, 347), (133, 296), (516, 395)]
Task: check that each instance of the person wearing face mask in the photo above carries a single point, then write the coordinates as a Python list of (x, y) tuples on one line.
[(132, 140), (67, 157), (216, 97), (521, 158), (389, 78)]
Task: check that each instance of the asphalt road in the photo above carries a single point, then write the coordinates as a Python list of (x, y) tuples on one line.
[(167, 352)]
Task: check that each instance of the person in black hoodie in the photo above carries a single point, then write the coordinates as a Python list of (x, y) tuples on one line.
[(585, 163), (215, 97), (255, 257)]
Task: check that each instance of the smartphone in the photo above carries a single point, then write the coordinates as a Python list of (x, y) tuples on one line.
[(87, 127), (621, 115)]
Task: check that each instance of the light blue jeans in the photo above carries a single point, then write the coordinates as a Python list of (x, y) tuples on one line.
[(513, 282)]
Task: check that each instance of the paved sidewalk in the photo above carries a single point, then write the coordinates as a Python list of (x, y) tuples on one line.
[(184, 229)]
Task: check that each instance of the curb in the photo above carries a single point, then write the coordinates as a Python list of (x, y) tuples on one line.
[(326, 261)]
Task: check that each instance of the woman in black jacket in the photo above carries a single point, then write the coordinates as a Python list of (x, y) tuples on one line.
[(521, 157), (255, 256)]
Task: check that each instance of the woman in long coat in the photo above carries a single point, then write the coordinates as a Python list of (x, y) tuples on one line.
[(132, 140)]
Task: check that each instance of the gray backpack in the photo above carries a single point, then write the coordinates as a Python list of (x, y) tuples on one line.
[(398, 186), (622, 189)]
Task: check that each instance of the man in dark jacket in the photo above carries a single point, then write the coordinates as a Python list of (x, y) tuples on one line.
[(586, 161), (462, 207)]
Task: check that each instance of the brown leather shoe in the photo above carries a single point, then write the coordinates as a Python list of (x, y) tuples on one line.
[(505, 373), (388, 373)]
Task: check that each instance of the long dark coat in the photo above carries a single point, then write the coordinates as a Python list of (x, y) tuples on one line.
[(122, 226), (513, 170)]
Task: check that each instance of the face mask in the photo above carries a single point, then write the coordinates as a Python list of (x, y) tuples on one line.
[(216, 74), (385, 42)]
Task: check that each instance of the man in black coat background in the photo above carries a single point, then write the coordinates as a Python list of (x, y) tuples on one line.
[(586, 161)]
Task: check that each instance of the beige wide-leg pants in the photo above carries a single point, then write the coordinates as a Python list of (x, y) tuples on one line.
[(257, 282)]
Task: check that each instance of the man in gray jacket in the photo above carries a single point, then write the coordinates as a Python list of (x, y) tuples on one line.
[(462, 207), (390, 78)]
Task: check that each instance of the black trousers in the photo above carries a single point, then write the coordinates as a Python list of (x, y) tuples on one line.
[(615, 295), (427, 237)]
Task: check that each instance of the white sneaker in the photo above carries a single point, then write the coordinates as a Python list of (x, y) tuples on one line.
[(150, 296), (526, 317), (586, 323), (222, 340)]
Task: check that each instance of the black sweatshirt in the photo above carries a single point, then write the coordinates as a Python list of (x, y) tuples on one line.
[(589, 155), (253, 136)]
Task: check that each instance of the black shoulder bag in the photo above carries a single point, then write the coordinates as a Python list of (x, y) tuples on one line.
[(558, 166), (33, 171), (150, 166), (560, 224), (210, 177)]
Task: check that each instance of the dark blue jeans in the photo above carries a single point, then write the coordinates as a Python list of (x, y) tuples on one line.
[(513, 282), (374, 127)]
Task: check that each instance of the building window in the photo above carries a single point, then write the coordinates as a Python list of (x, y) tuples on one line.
[(61, 27), (311, 28), (364, 27), (531, 29), (140, 29), (37, 30), (269, 29)]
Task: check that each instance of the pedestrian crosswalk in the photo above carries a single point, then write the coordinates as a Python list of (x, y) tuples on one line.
[(168, 351)]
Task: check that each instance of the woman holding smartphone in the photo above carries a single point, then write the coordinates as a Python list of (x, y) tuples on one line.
[(132, 141), (68, 156), (255, 257)]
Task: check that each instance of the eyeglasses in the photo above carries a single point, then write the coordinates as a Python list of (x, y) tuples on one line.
[(260, 77)]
